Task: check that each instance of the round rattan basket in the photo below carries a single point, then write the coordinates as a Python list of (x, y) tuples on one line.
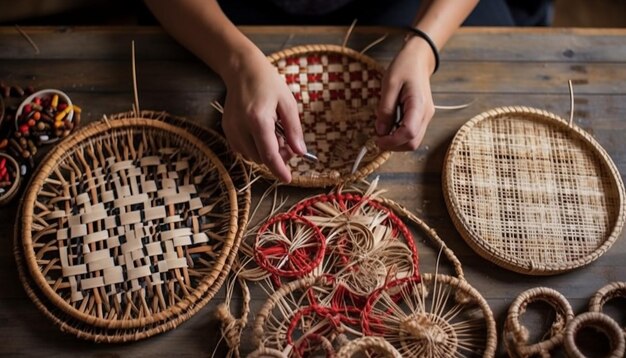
[(337, 91), (205, 261), (531, 192)]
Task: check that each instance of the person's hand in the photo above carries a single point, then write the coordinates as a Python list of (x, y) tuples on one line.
[(406, 83), (256, 97)]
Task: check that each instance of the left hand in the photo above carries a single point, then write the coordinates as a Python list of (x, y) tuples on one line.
[(406, 83)]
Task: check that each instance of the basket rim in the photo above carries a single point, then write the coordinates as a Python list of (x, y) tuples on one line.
[(508, 261), (132, 335), (98, 128), (9, 194), (367, 167)]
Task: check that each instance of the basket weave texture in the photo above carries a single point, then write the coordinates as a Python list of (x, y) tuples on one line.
[(337, 90), (202, 212), (532, 193)]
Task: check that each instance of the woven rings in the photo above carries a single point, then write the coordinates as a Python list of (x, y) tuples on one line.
[(531, 192), (337, 90), (516, 336), (135, 310), (600, 322)]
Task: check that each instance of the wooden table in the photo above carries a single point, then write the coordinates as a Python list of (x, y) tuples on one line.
[(493, 67)]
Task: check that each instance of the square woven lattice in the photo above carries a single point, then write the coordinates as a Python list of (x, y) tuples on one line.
[(532, 193)]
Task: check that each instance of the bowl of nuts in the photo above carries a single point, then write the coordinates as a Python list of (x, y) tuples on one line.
[(45, 116), (10, 177)]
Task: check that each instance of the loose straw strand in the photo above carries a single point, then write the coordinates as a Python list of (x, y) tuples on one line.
[(348, 33), (376, 42), (571, 102), (137, 111), (28, 38)]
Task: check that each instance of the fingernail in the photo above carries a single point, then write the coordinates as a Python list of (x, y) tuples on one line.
[(302, 146), (380, 128)]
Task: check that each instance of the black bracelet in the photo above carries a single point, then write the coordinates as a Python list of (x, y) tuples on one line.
[(423, 35)]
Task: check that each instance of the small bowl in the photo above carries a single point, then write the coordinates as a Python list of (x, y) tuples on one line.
[(10, 191), (45, 93)]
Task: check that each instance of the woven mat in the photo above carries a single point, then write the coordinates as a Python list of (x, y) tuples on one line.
[(207, 270), (531, 193), (337, 91)]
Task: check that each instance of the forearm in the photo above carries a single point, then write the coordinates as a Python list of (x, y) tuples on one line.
[(202, 27)]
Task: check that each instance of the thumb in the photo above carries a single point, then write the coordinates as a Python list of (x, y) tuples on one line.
[(389, 96), (288, 116)]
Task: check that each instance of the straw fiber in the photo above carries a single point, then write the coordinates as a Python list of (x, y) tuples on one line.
[(531, 192)]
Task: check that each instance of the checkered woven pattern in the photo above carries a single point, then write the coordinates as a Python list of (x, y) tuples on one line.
[(130, 224), (337, 97)]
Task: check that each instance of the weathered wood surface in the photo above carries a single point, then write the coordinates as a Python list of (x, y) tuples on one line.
[(493, 67)]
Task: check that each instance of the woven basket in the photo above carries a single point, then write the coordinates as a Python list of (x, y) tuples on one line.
[(532, 193), (337, 90), (211, 262), (368, 345)]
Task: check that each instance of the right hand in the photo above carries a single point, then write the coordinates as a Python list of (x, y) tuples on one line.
[(256, 97)]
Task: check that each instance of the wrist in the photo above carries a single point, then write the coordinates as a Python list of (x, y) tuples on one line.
[(242, 55), (423, 53)]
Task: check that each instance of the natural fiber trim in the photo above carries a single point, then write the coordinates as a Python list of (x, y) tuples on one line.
[(72, 326), (516, 336), (511, 261), (603, 324), (378, 345), (13, 189), (367, 167), (431, 234), (605, 294)]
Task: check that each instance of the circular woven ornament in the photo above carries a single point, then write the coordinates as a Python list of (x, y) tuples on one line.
[(365, 240), (97, 334), (127, 224), (368, 345), (304, 318), (516, 336), (607, 293), (604, 325), (532, 193), (337, 90), (437, 316)]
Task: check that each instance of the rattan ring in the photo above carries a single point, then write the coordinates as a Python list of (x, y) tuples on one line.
[(376, 345), (337, 90), (516, 336), (531, 192), (605, 294), (601, 322), (154, 315)]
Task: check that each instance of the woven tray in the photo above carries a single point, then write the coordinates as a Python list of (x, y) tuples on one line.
[(210, 273), (337, 90), (532, 193)]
